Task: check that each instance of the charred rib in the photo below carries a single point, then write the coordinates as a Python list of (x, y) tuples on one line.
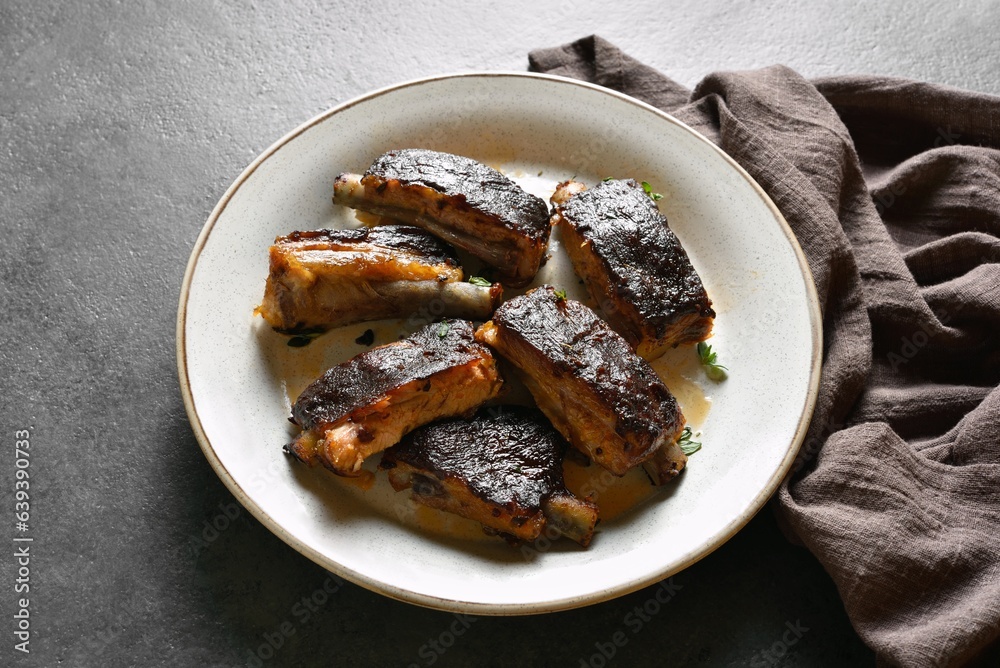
[(633, 265), (464, 202), (501, 470), (368, 403), (606, 400), (329, 278)]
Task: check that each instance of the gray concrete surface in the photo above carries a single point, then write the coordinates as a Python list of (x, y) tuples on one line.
[(121, 124)]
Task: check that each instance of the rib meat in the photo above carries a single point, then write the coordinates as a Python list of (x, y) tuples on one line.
[(502, 470), (666, 464), (329, 278), (633, 265), (606, 400), (472, 206), (368, 403)]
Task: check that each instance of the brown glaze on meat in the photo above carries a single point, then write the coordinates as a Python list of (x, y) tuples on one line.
[(606, 400), (403, 241), (468, 204), (368, 403), (633, 265), (503, 469), (483, 188), (329, 278)]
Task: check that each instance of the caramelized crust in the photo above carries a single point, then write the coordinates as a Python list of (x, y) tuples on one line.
[(368, 403), (470, 205), (329, 278), (606, 400), (503, 470), (633, 265)]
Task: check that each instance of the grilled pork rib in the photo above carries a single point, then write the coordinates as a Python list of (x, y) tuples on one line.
[(468, 204), (369, 402), (633, 265), (606, 400), (501, 470), (666, 464), (329, 278)]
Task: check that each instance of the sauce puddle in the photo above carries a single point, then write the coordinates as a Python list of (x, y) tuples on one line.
[(437, 521)]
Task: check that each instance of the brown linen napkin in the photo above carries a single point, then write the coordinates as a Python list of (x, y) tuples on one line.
[(892, 188)]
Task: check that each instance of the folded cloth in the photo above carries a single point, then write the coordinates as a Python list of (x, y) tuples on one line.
[(892, 188)]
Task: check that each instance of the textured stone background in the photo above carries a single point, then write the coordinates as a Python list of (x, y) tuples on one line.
[(121, 124)]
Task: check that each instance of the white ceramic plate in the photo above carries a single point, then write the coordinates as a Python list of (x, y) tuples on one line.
[(238, 377)]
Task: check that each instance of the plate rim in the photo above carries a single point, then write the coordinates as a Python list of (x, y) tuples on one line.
[(471, 607)]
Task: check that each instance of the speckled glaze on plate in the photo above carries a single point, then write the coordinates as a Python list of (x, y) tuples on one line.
[(238, 378)]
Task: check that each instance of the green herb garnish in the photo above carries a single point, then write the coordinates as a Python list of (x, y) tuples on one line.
[(709, 360), (656, 197), (561, 295), (480, 281), (687, 444), (607, 178), (443, 329)]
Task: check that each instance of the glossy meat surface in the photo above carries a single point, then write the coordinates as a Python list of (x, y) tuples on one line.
[(463, 201), (328, 278), (606, 400), (369, 402), (503, 469), (633, 265)]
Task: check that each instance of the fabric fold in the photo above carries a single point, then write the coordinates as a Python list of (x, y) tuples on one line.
[(892, 188)]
